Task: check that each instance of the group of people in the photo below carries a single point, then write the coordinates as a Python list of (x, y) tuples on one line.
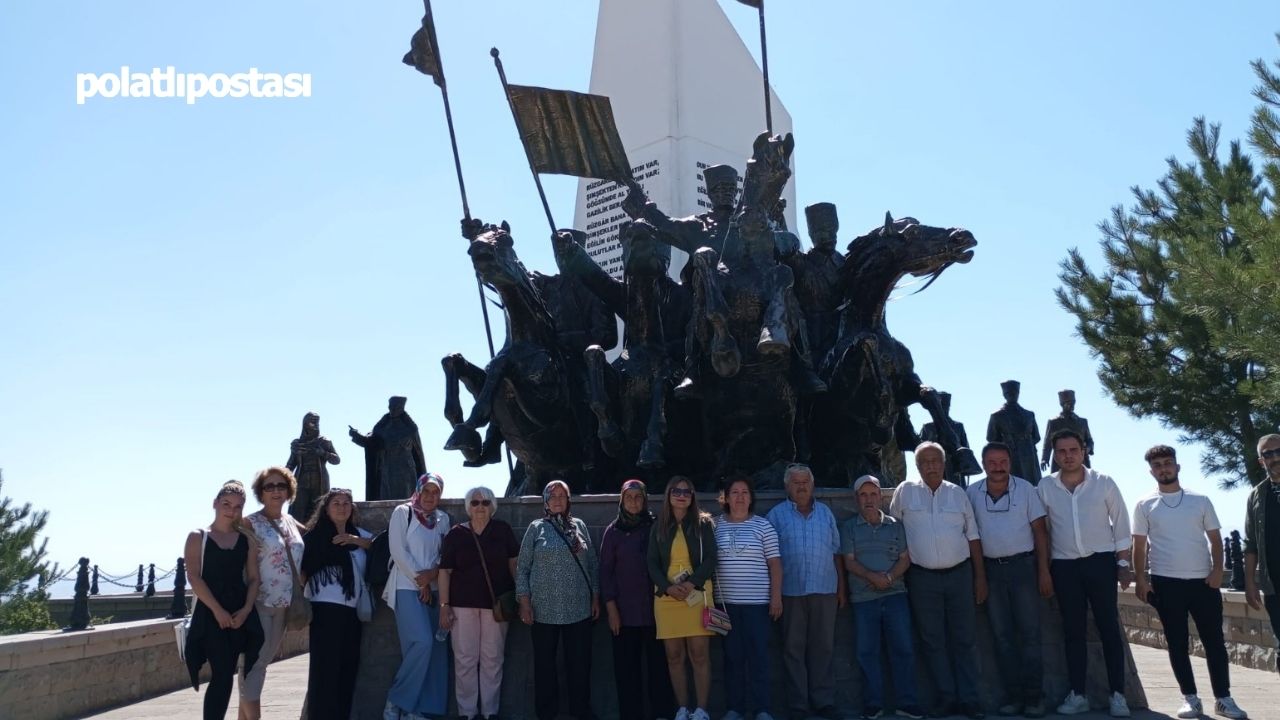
[(669, 582)]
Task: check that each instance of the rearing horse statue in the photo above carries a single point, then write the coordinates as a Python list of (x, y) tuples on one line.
[(870, 374), (523, 394), (745, 324)]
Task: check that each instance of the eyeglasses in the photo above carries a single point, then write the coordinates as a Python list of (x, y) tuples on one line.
[(477, 503), (272, 487), (1268, 454), (681, 492)]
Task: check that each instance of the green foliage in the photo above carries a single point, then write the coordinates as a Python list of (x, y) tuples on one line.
[(24, 571), (1185, 317)]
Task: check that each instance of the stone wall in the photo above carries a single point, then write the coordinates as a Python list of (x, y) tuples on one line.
[(380, 653), (53, 675), (1250, 641)]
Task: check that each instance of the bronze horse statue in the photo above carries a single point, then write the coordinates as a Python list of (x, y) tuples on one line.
[(523, 394), (870, 375), (631, 397)]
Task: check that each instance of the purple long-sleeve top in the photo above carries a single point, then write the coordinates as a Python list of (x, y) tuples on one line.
[(624, 575)]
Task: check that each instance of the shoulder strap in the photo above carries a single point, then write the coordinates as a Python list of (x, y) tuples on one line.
[(484, 565), (572, 554), (287, 550)]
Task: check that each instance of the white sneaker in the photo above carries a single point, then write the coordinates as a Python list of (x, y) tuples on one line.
[(1073, 704), (1191, 707), (700, 714), (1227, 708), (682, 714), (390, 711), (1119, 706)]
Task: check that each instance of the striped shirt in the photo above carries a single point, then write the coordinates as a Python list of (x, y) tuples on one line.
[(742, 574), (809, 545)]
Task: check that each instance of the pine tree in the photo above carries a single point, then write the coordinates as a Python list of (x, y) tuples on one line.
[(25, 573), (1185, 318)]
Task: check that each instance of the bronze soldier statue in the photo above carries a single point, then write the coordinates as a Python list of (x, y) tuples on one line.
[(310, 456), (709, 229), (817, 274), (1068, 420), (1015, 426), (960, 460), (393, 457)]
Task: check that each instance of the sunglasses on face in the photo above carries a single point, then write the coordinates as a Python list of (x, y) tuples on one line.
[(681, 492), (272, 487), (485, 503), (1268, 454)]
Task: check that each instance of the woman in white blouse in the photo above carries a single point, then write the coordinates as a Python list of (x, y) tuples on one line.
[(414, 534), (275, 531)]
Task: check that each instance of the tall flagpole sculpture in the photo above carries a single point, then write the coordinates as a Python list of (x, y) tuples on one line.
[(764, 63), (424, 56)]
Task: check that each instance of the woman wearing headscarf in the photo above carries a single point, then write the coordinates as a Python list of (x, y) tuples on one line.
[(224, 579), (279, 538), (333, 563), (627, 592), (682, 559), (558, 591), (414, 534), (477, 566)]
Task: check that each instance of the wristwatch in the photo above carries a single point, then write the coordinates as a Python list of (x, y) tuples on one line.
[(1123, 563)]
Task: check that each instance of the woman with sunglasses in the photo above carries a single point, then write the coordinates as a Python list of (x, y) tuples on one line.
[(681, 559), (333, 563), (477, 566), (627, 592), (224, 579), (414, 535), (559, 597), (750, 588), (279, 552)]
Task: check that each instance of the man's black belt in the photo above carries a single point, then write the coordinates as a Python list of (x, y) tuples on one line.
[(1010, 558)]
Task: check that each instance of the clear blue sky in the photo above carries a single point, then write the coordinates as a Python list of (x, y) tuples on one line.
[(178, 285)]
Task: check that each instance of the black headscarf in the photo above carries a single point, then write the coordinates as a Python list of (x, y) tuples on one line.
[(629, 522)]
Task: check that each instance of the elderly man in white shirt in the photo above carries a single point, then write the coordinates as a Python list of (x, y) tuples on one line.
[(1090, 545), (946, 578)]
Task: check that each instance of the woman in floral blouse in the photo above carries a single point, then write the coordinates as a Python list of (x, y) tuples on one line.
[(274, 529), (559, 596)]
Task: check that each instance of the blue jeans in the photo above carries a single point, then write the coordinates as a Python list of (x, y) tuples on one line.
[(422, 682), (746, 659), (1013, 608), (892, 615)]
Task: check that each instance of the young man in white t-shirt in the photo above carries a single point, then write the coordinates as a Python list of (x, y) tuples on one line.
[(1170, 528)]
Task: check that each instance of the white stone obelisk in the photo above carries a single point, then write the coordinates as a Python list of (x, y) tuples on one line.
[(686, 94)]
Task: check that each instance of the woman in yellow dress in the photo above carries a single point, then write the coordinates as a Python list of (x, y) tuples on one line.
[(680, 566)]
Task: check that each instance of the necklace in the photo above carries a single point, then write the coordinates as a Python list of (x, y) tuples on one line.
[(1181, 496)]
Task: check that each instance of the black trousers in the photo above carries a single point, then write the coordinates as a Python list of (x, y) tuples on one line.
[(1272, 604), (1176, 598), (576, 640), (1083, 584), (637, 652), (335, 659)]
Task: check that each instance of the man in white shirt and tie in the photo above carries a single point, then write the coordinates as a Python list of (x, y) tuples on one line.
[(1089, 545)]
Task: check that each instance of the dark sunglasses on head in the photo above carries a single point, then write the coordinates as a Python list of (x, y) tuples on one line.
[(272, 487), (476, 503), (1268, 454), (681, 492)]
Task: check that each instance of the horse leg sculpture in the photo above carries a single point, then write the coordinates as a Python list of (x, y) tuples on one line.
[(725, 358), (481, 385), (598, 400), (652, 452)]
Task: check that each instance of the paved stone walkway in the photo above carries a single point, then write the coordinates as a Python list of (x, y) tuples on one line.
[(1254, 690)]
